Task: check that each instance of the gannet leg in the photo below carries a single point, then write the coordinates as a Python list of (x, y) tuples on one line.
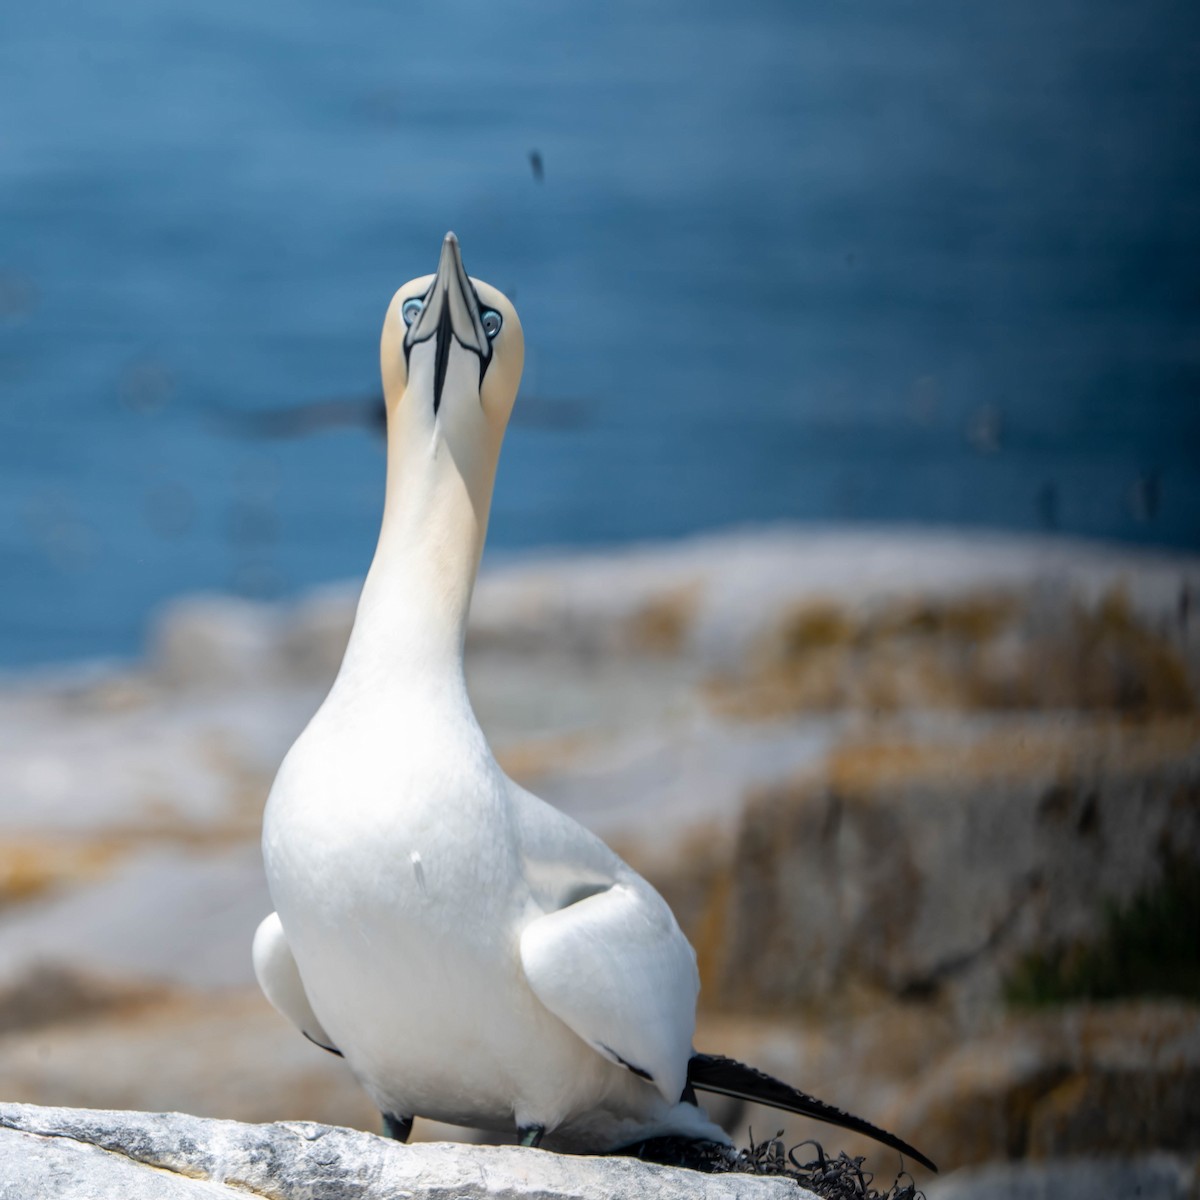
[(397, 1128), (531, 1135), (279, 978)]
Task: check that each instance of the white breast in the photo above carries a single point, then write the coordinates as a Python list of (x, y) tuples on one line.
[(400, 886)]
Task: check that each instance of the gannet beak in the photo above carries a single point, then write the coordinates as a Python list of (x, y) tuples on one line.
[(450, 313)]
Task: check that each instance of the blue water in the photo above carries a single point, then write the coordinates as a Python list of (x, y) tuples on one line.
[(863, 259)]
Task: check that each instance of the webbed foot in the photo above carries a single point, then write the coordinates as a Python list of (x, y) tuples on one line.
[(531, 1135)]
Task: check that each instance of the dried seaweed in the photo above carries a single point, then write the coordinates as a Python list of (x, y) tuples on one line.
[(840, 1178)]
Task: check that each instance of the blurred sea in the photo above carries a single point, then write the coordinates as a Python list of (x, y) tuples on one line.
[(873, 259)]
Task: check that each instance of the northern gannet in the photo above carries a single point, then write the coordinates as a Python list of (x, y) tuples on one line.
[(475, 955)]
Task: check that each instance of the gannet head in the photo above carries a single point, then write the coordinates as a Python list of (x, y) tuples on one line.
[(451, 356)]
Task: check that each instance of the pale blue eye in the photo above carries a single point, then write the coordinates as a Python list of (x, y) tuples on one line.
[(411, 310), (491, 321)]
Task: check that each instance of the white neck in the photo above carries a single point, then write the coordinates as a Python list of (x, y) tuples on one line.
[(412, 613)]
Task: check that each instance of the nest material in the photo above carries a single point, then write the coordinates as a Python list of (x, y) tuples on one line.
[(840, 1178)]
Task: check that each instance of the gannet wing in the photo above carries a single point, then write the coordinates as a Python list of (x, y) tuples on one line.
[(279, 978), (616, 969)]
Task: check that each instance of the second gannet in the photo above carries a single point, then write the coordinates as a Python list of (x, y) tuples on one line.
[(475, 955)]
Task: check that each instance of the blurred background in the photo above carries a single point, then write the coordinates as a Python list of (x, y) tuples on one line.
[(900, 299), (868, 261)]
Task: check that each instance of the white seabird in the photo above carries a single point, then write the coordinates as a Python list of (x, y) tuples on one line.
[(475, 955)]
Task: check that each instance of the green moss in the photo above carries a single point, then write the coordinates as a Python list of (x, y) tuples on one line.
[(1151, 947)]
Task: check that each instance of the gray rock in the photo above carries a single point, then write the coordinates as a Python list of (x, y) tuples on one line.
[(1157, 1177), (861, 764), (64, 1154), (929, 864), (127, 923), (709, 599)]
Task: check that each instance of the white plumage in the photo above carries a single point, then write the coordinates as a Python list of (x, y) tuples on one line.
[(476, 956)]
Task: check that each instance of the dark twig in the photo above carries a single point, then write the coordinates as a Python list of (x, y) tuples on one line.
[(840, 1178)]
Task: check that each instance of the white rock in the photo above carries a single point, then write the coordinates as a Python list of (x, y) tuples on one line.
[(719, 592), (90, 1154)]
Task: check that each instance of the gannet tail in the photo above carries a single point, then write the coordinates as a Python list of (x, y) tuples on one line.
[(728, 1077)]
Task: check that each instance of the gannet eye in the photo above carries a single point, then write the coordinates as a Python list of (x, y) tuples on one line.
[(491, 321), (411, 310)]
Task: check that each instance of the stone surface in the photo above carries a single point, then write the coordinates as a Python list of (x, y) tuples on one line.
[(982, 608), (869, 768), (1156, 1177), (936, 860), (64, 1154), (1110, 1079), (1081, 1080), (216, 1054)]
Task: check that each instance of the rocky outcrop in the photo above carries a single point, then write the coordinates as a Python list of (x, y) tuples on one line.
[(85, 1154), (1154, 1177), (937, 862), (875, 772), (789, 620), (1079, 1081), (1076, 1081)]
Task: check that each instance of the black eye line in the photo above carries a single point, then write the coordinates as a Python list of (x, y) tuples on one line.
[(424, 299), (485, 361)]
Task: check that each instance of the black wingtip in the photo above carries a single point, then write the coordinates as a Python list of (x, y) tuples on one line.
[(331, 1049), (728, 1077)]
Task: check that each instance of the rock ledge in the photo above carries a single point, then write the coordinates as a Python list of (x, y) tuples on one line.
[(69, 1153)]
